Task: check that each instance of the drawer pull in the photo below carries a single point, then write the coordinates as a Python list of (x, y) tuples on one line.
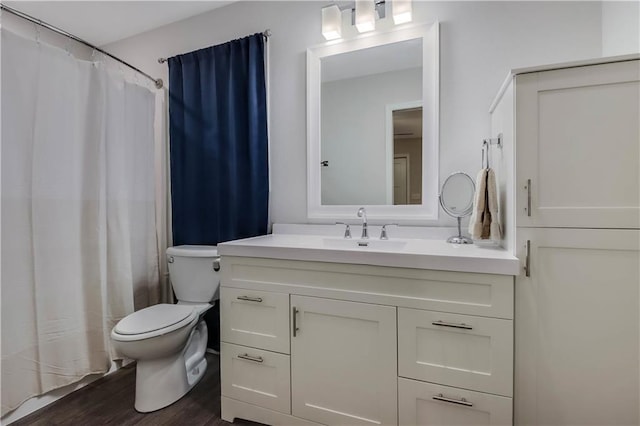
[(250, 299), (461, 401), (453, 325), (251, 358)]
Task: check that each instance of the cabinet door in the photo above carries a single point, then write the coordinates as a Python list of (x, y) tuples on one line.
[(428, 404), (578, 142), (259, 319), (459, 350), (577, 328), (343, 362)]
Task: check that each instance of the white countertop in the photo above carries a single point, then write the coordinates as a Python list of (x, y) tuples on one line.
[(396, 252)]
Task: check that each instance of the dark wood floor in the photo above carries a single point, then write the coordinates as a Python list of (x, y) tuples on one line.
[(109, 401)]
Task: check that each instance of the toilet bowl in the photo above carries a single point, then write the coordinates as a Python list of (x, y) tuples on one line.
[(169, 341)]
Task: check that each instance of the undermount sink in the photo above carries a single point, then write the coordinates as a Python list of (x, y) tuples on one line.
[(345, 243)]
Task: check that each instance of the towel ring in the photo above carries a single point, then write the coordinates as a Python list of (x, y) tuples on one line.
[(486, 146)]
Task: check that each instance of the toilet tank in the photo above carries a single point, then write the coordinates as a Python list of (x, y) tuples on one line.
[(194, 272)]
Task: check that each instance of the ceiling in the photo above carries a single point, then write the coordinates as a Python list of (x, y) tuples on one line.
[(104, 22)]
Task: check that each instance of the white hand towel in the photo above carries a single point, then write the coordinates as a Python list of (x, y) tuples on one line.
[(484, 223), (479, 204), (495, 230)]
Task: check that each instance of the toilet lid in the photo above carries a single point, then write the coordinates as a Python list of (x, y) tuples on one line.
[(193, 251), (154, 318)]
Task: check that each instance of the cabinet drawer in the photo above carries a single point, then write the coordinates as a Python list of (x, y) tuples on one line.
[(488, 295), (458, 350), (428, 404), (254, 318), (255, 376)]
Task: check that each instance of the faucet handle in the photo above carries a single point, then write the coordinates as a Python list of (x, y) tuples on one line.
[(383, 233), (347, 229)]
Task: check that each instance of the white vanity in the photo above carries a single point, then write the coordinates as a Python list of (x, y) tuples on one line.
[(321, 330)]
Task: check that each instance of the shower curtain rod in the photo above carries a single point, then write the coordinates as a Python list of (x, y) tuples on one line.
[(266, 34), (158, 81)]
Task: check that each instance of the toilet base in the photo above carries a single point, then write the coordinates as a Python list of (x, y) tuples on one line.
[(161, 382)]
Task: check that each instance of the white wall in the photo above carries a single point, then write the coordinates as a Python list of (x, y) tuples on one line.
[(620, 27), (354, 134), (480, 42)]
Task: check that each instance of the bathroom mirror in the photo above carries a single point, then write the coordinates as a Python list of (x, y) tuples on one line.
[(456, 199), (372, 126)]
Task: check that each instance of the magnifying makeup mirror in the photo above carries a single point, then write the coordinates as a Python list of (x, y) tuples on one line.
[(456, 199)]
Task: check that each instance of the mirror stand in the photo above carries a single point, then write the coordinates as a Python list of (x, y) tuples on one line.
[(456, 199), (459, 239)]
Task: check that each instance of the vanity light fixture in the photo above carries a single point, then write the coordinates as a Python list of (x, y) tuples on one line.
[(401, 11), (331, 22), (365, 15)]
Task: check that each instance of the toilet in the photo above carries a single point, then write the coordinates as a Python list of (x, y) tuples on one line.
[(169, 341)]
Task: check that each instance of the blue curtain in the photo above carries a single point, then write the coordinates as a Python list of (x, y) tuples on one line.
[(218, 139)]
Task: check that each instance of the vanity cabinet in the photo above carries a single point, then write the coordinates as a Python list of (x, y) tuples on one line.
[(363, 345)]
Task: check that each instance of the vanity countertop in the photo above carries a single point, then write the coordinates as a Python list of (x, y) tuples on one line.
[(407, 253)]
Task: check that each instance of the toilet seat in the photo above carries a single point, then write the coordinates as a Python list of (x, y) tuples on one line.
[(154, 321)]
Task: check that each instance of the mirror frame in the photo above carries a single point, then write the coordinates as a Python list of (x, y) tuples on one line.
[(407, 214)]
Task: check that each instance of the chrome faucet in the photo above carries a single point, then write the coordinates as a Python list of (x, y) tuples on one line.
[(383, 231), (363, 214), (347, 229)]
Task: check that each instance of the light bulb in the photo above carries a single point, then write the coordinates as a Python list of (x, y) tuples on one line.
[(331, 22), (365, 15), (401, 11)]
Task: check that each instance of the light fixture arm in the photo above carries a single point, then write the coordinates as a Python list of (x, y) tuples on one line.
[(380, 7)]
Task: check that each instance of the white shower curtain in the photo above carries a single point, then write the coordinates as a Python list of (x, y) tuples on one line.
[(78, 214)]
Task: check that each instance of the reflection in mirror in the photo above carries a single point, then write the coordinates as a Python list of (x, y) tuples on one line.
[(407, 155), (371, 125)]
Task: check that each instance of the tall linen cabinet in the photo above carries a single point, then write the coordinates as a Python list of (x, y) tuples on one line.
[(571, 168)]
